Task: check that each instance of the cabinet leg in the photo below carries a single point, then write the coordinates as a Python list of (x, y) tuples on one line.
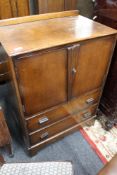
[(2, 161), (10, 150)]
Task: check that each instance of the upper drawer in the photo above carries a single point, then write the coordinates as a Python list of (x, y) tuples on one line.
[(54, 115)]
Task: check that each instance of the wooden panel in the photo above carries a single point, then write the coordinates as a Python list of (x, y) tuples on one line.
[(5, 9), (55, 6), (59, 113), (61, 126), (71, 4), (13, 8), (22, 7), (43, 80), (42, 6), (92, 64), (47, 6)]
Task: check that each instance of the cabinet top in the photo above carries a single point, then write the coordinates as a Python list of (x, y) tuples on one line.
[(46, 33)]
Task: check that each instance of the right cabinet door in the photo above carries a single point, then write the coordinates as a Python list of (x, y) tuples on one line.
[(91, 65)]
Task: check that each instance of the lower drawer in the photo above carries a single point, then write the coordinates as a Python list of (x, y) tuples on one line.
[(54, 115), (38, 136)]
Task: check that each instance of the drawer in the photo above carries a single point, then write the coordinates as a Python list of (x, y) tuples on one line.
[(41, 135), (59, 113)]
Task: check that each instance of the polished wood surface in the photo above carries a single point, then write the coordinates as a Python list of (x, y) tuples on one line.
[(49, 6), (106, 12), (13, 8), (33, 18), (78, 28), (57, 73)]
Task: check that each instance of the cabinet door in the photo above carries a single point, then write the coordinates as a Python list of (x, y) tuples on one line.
[(47, 6), (42, 80), (71, 4), (89, 66)]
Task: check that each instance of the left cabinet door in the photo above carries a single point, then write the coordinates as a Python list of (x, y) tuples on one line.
[(42, 80)]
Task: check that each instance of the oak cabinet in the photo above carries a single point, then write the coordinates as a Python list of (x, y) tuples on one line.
[(58, 71)]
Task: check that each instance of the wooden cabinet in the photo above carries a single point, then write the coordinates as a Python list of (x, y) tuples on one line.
[(13, 8), (58, 70), (47, 6), (106, 13)]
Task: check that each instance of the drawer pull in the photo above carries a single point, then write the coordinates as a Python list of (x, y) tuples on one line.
[(43, 120), (87, 115), (44, 135), (90, 101)]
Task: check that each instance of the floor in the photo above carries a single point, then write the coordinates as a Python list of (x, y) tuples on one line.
[(73, 148)]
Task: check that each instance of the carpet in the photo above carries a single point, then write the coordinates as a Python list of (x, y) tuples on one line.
[(103, 142), (73, 148)]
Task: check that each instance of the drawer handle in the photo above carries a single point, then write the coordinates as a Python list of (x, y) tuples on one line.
[(44, 135), (87, 115), (90, 101), (43, 120)]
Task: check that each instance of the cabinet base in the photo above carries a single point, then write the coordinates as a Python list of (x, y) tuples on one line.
[(34, 149)]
